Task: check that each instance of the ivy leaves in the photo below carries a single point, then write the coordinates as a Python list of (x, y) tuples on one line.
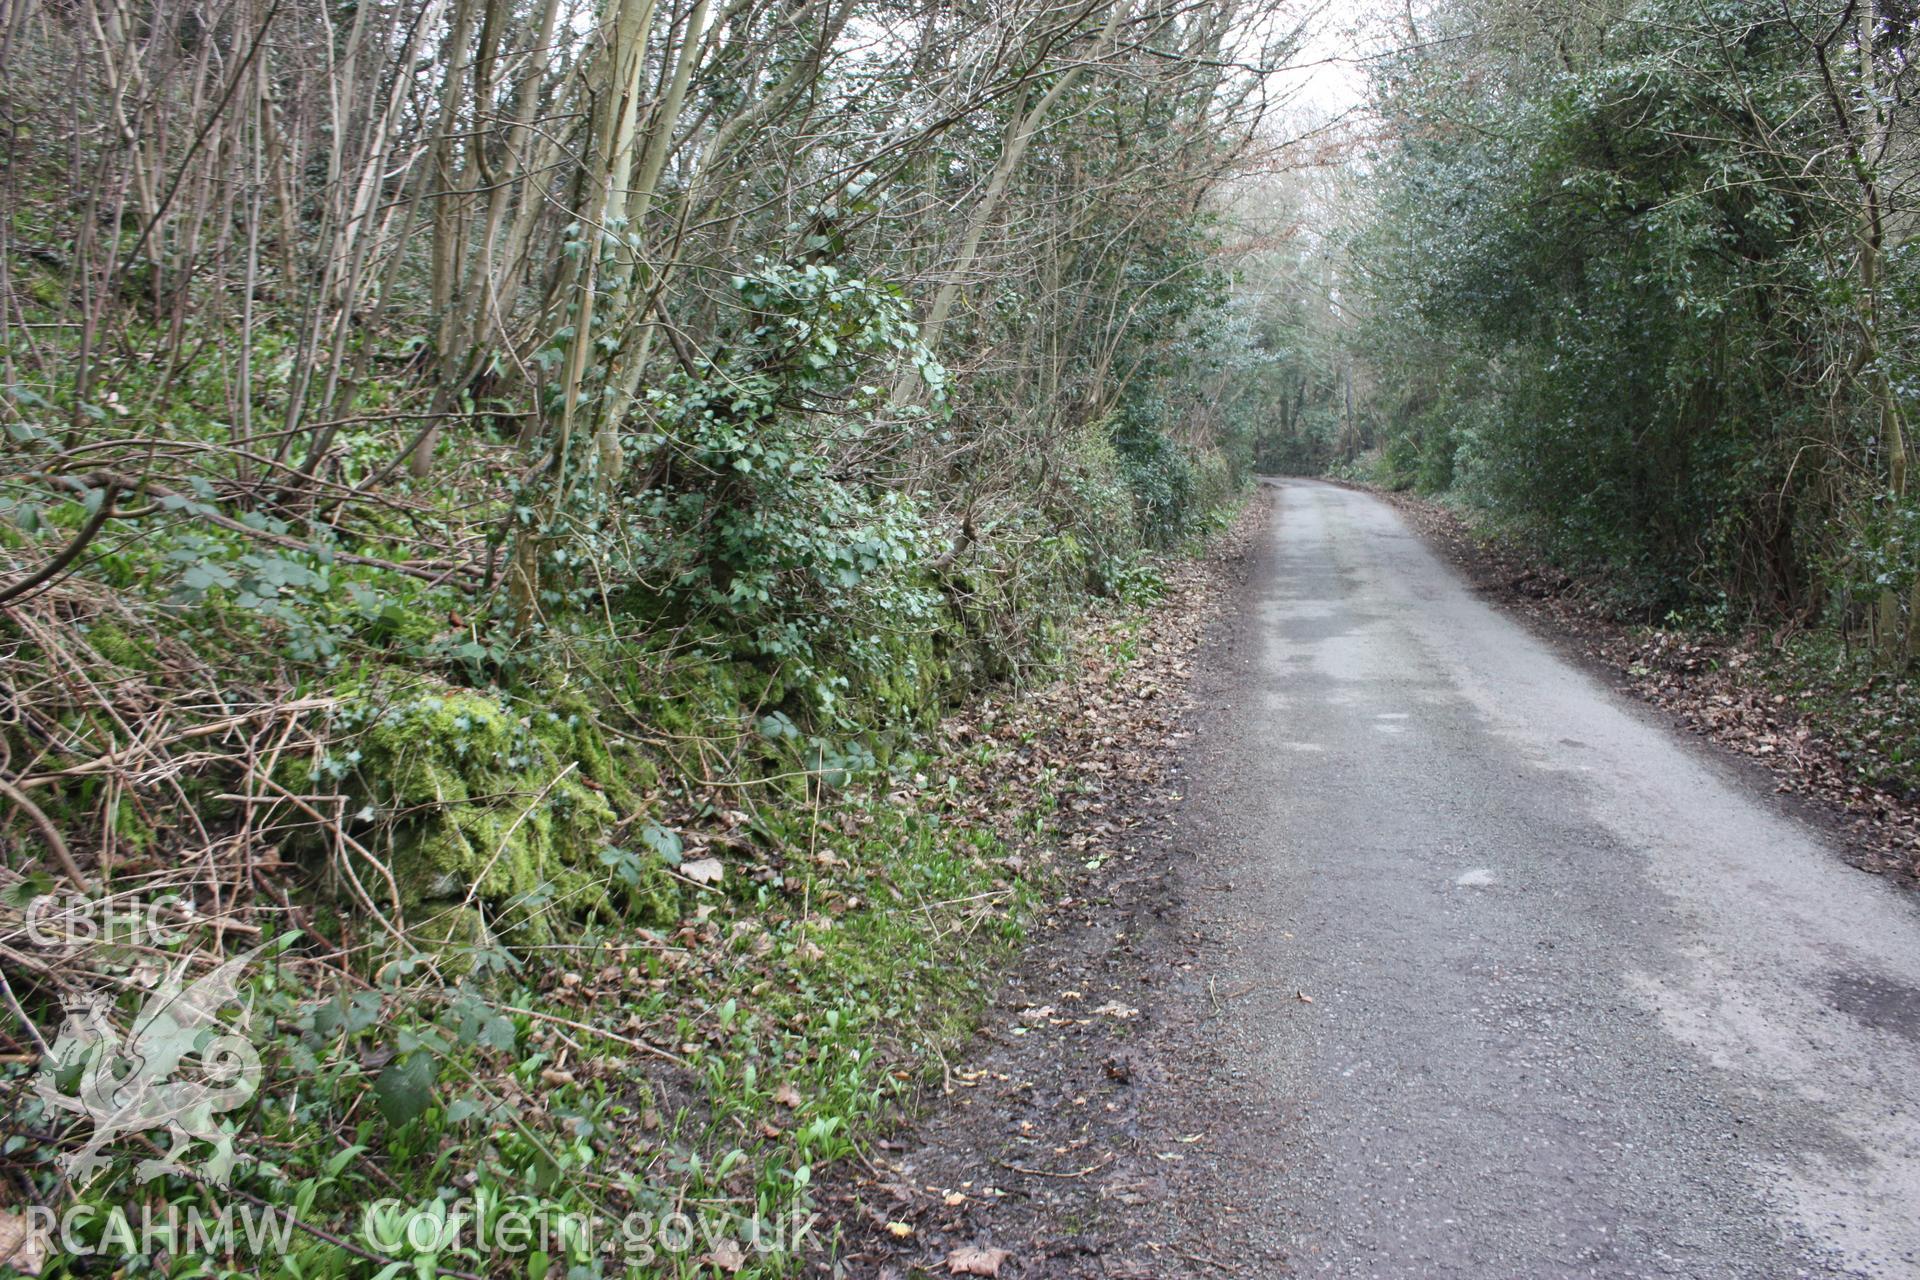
[(1617, 284), (763, 519)]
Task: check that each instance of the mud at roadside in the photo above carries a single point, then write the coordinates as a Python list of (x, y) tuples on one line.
[(1082, 1133)]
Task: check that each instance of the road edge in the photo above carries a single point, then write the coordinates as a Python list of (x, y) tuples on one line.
[(1706, 688)]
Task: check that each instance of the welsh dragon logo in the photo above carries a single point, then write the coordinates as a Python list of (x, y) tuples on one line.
[(126, 1084)]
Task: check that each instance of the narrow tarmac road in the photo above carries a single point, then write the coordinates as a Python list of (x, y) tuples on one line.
[(1584, 999)]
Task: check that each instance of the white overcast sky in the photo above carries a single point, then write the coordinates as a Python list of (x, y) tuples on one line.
[(1332, 73)]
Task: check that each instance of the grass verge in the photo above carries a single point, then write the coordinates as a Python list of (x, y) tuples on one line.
[(771, 971)]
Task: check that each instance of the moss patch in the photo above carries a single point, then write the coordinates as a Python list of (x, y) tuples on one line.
[(484, 809)]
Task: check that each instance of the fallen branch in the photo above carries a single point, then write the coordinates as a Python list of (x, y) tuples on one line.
[(1048, 1173), (602, 1032), (56, 845), (116, 759), (427, 570), (53, 567)]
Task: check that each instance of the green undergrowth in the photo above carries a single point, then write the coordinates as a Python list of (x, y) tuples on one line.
[(704, 1064), (1871, 715), (626, 914), (641, 943)]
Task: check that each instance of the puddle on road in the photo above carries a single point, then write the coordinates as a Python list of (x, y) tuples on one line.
[(1884, 1004)]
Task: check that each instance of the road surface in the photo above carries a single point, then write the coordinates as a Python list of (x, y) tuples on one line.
[(1585, 1001)]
